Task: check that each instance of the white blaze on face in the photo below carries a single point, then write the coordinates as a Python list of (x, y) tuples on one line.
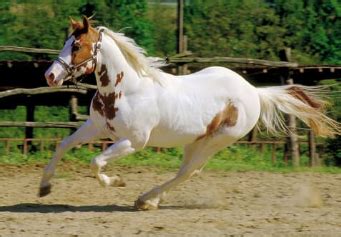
[(56, 73)]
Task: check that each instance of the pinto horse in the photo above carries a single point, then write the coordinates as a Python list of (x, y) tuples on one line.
[(137, 105)]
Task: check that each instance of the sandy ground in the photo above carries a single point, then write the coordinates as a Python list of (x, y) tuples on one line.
[(212, 204)]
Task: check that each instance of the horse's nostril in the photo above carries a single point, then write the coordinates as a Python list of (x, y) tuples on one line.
[(51, 77)]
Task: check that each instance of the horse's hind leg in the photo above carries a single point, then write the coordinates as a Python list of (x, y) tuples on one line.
[(195, 157), (119, 149), (87, 132)]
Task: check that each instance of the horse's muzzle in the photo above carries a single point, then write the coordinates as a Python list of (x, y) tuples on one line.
[(51, 79)]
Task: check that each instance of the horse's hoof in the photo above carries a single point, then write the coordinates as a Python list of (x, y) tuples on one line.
[(144, 205), (44, 191)]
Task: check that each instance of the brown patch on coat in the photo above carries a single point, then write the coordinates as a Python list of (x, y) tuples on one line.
[(110, 127), (119, 95), (301, 95), (227, 117), (105, 106), (108, 107), (103, 76), (119, 78), (97, 104)]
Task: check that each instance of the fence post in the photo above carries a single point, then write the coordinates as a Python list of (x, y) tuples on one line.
[(30, 107), (312, 148), (180, 26), (292, 150), (25, 146), (273, 153), (73, 110), (7, 145)]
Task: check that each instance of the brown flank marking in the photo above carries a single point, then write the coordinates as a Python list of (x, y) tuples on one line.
[(228, 117), (119, 78)]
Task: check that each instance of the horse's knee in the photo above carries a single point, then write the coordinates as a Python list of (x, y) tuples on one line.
[(124, 144), (121, 146)]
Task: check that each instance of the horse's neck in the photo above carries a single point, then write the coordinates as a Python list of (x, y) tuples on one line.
[(113, 70)]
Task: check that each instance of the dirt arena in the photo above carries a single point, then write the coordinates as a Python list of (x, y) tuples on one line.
[(212, 204)]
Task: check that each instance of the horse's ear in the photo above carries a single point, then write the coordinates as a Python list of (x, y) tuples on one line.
[(74, 24), (86, 24)]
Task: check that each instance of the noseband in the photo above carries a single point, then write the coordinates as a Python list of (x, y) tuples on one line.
[(71, 69)]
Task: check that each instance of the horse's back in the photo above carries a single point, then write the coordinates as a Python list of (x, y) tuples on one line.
[(221, 83), (227, 85), (214, 72), (187, 109)]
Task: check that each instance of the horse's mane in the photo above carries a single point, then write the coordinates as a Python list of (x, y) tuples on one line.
[(135, 55)]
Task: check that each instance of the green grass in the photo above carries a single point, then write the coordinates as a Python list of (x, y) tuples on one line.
[(235, 158)]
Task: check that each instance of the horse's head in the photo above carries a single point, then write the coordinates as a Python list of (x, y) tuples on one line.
[(78, 56)]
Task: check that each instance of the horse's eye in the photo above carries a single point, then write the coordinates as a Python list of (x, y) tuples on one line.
[(76, 47)]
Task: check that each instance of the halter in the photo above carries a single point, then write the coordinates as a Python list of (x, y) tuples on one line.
[(70, 69)]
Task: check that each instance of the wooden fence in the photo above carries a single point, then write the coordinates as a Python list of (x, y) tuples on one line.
[(27, 145), (287, 71)]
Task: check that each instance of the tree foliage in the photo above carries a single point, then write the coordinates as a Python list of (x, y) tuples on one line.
[(28, 23), (261, 28), (128, 16), (313, 28), (164, 29), (235, 28), (239, 28)]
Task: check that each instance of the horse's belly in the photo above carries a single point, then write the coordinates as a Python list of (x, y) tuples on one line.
[(164, 138)]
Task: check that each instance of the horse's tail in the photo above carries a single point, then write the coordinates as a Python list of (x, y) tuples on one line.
[(301, 101)]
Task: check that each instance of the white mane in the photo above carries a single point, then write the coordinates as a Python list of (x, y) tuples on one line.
[(135, 55)]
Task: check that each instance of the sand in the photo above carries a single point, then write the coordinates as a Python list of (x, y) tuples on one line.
[(211, 204)]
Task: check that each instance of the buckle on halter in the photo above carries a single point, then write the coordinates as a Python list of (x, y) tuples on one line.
[(99, 45)]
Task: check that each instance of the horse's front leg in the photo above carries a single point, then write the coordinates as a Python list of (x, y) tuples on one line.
[(86, 133), (121, 148)]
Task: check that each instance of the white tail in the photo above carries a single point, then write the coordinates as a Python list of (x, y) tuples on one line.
[(301, 101)]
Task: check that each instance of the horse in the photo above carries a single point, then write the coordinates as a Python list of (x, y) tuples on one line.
[(138, 105)]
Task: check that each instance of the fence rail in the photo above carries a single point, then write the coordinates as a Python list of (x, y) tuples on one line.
[(41, 143), (40, 124), (4, 48), (182, 59)]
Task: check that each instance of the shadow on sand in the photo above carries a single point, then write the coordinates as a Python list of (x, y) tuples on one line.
[(60, 208)]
